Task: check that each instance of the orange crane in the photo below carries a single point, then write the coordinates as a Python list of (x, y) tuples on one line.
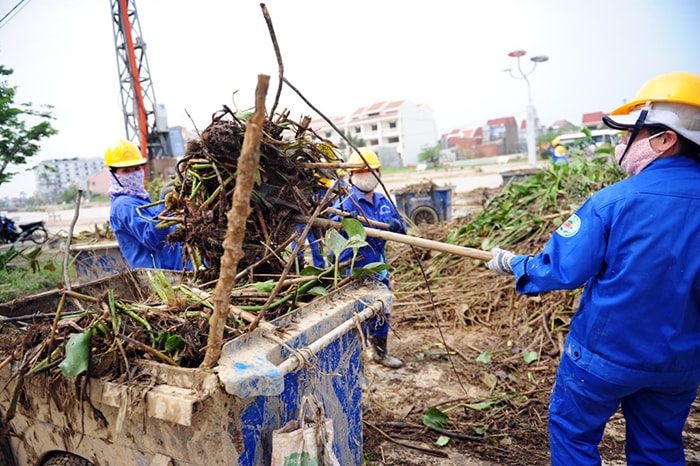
[(145, 120)]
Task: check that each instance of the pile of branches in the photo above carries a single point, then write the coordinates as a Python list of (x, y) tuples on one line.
[(286, 186), (171, 324)]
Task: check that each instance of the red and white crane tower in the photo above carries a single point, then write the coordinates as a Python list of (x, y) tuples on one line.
[(145, 121)]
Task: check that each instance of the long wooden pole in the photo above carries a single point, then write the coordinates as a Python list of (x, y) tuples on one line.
[(236, 224), (405, 239)]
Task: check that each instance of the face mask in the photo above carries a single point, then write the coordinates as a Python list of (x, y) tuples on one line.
[(639, 155), (129, 184), (365, 182)]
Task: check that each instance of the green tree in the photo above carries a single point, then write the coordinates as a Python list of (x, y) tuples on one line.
[(430, 155), (69, 195), (355, 141), (18, 139)]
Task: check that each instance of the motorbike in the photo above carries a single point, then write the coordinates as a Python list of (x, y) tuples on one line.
[(35, 232)]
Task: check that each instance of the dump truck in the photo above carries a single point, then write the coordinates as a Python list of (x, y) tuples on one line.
[(166, 415)]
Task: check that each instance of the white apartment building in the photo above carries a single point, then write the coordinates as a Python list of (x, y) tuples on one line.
[(55, 176), (397, 131)]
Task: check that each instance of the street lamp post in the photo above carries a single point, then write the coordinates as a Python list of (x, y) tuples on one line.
[(530, 109)]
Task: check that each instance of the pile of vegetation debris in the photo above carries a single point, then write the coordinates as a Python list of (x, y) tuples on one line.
[(285, 187), (171, 324)]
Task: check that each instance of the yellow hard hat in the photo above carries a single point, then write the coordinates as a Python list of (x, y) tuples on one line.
[(556, 142), (680, 87), (368, 157), (671, 100), (123, 154)]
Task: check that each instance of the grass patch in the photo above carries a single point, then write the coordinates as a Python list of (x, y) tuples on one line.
[(24, 272)]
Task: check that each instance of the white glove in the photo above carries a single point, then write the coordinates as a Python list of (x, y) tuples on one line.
[(500, 263)]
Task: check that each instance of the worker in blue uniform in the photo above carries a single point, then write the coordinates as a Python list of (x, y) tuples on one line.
[(558, 152), (142, 244), (634, 341), (362, 200)]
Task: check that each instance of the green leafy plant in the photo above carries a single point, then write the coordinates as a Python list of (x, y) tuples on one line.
[(536, 205), (530, 357), (337, 243), (77, 354), (19, 141), (484, 358), (433, 417)]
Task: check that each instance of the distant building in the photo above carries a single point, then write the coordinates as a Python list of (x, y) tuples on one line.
[(522, 133), (593, 120), (464, 143), (179, 137), (561, 125), (398, 131), (503, 134), (99, 183), (55, 176)]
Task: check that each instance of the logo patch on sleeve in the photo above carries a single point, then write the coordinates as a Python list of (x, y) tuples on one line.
[(570, 227)]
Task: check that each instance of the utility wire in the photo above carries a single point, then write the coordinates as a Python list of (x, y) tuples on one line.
[(4, 20)]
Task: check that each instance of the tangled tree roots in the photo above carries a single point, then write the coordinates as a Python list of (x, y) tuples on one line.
[(204, 192)]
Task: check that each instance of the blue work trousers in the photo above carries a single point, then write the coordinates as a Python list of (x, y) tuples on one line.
[(581, 404)]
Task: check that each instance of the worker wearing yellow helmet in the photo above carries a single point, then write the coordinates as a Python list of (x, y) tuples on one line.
[(141, 243), (635, 339), (364, 202), (558, 152), (667, 104)]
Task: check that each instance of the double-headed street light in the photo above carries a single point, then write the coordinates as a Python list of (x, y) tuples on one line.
[(530, 110)]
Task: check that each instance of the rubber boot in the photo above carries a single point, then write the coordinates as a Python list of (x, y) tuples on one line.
[(380, 354)]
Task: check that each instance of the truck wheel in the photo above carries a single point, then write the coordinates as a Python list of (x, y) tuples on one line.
[(424, 214), (67, 459)]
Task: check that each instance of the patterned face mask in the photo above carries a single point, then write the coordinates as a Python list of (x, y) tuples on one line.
[(129, 184), (365, 181), (639, 155)]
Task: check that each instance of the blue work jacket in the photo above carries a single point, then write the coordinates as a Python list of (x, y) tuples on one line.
[(380, 210), (141, 243), (636, 247)]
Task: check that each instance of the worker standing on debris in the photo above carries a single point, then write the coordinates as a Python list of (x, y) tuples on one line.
[(142, 244), (634, 342), (363, 200)]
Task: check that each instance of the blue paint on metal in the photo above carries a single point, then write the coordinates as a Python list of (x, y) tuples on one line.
[(249, 369), (253, 374), (439, 199), (99, 262), (334, 379)]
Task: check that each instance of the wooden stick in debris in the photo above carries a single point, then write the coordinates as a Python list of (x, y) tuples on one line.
[(235, 311), (66, 256), (405, 239), (332, 165), (236, 226)]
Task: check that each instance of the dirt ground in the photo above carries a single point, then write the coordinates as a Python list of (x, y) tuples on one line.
[(439, 343)]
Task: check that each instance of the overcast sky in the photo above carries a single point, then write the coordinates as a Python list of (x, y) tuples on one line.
[(449, 55)]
